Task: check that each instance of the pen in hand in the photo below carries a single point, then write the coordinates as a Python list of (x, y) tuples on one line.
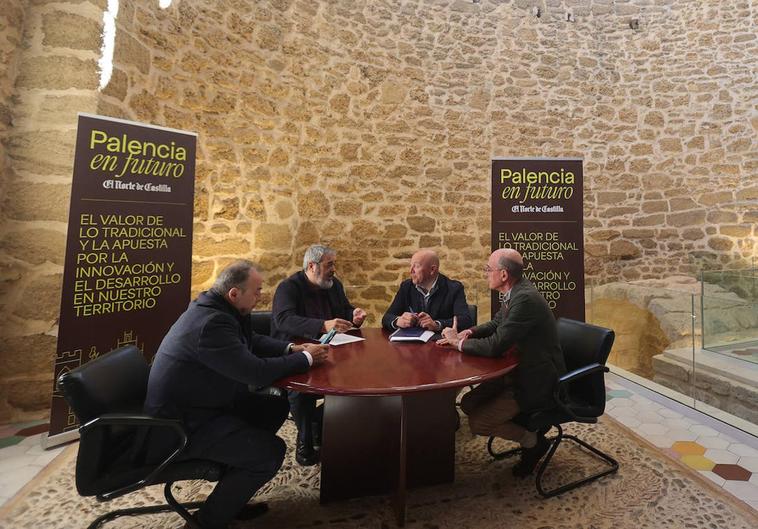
[(328, 336)]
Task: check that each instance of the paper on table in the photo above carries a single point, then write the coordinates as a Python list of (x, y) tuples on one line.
[(342, 338)]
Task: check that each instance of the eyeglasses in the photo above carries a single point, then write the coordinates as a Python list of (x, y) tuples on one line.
[(487, 269)]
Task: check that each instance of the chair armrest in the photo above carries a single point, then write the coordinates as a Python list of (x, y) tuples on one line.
[(581, 372), (125, 419), (567, 379)]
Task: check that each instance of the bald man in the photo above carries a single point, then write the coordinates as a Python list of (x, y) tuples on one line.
[(524, 325), (428, 299)]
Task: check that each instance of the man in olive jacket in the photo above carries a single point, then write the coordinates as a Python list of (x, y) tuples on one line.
[(525, 324)]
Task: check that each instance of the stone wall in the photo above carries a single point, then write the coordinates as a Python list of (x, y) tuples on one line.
[(53, 74), (369, 125)]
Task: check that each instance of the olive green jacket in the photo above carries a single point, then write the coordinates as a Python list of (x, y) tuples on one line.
[(528, 323)]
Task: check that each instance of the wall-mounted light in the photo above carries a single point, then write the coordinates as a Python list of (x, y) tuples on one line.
[(634, 24)]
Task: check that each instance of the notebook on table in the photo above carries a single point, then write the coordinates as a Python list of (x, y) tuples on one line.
[(411, 334)]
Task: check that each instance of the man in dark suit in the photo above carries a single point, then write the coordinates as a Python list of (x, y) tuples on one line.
[(200, 375), (524, 326), (306, 304), (428, 299)]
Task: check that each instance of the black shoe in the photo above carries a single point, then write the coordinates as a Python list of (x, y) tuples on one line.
[(530, 457), (252, 510), (305, 455)]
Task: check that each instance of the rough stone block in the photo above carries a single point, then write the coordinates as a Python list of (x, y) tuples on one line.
[(37, 201), (57, 72), (67, 30), (131, 52), (422, 223), (30, 355), (624, 250), (47, 290), (687, 218), (231, 246), (269, 236)]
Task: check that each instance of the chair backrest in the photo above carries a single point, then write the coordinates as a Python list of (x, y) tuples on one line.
[(260, 320), (584, 344), (473, 312), (115, 382)]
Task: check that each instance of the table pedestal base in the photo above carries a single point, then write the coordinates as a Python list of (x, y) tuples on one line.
[(379, 445)]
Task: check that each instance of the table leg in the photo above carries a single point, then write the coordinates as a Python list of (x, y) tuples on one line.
[(387, 444), (400, 502)]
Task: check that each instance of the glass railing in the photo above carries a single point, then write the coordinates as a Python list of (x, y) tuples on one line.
[(730, 313), (662, 330)]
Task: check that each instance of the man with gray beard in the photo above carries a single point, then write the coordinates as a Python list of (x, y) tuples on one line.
[(306, 304)]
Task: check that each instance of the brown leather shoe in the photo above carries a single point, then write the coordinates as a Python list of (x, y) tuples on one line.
[(530, 457)]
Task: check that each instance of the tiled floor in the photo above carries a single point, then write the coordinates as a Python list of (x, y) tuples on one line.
[(725, 455), (22, 456)]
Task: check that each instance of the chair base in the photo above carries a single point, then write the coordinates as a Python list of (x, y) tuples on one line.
[(554, 442), (171, 505)]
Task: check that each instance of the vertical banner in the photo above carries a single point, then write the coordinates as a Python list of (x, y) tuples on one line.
[(537, 209), (128, 261)]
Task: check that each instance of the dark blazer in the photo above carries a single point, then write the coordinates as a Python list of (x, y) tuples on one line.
[(447, 301), (529, 324), (208, 356), (288, 308)]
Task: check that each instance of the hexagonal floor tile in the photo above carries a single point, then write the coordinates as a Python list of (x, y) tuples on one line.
[(652, 429), (689, 448), (749, 463), (619, 393), (732, 472), (713, 442), (698, 462), (10, 441), (724, 457)]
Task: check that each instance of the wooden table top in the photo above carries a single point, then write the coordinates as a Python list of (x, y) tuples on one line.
[(377, 366)]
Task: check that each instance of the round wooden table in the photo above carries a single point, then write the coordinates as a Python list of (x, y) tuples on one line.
[(389, 416)]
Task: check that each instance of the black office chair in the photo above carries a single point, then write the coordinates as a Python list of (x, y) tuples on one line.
[(473, 312), (579, 397), (261, 322), (107, 395)]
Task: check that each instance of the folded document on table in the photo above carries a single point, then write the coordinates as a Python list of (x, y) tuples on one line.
[(412, 334)]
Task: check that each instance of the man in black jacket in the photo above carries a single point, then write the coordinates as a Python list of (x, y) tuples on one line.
[(526, 325), (306, 304), (201, 374), (428, 299)]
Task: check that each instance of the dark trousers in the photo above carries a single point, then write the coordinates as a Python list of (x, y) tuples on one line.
[(246, 442), (306, 416)]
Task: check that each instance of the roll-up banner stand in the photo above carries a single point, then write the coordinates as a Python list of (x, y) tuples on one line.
[(127, 272), (537, 209)]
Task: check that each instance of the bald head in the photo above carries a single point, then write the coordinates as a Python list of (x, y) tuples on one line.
[(505, 255), (507, 267), (425, 266)]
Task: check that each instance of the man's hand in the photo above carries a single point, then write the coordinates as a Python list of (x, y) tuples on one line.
[(318, 352), (337, 323), (358, 316), (465, 334), (405, 320), (426, 321), (450, 335)]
